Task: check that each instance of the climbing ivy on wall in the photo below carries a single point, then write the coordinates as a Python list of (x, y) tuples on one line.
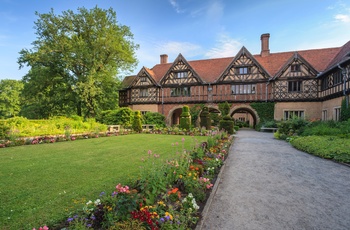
[(344, 111), (265, 110)]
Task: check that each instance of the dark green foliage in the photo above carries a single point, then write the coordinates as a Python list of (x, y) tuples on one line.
[(136, 124), (265, 110), (215, 118), (224, 108), (195, 111), (185, 118), (205, 118), (291, 127), (327, 128), (227, 124), (329, 147), (122, 116), (344, 111), (157, 119)]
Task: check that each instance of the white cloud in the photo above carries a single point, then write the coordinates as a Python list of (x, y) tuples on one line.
[(342, 18), (176, 6), (225, 47)]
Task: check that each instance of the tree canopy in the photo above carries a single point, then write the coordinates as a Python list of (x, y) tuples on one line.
[(75, 61), (10, 92)]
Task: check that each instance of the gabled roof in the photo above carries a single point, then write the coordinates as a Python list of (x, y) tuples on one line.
[(343, 55), (178, 59), (243, 51), (295, 56), (210, 70), (149, 74)]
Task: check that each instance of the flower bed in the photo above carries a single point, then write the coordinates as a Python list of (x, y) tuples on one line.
[(166, 196)]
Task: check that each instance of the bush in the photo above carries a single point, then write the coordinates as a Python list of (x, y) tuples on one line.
[(136, 125), (152, 118), (292, 127), (185, 118), (205, 118), (227, 124), (328, 147)]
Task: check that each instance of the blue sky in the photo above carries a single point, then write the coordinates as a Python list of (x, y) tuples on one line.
[(198, 29)]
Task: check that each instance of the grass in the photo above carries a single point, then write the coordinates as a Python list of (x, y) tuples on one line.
[(43, 184)]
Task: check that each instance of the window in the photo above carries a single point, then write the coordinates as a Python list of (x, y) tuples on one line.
[(324, 83), (143, 92), (243, 89), (181, 75), (337, 78), (324, 115), (180, 92), (144, 112), (243, 70), (289, 114), (295, 68), (294, 86), (143, 80), (337, 114)]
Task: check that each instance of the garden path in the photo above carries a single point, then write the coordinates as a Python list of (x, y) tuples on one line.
[(267, 184)]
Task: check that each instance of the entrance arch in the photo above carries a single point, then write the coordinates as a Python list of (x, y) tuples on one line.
[(173, 117), (247, 113)]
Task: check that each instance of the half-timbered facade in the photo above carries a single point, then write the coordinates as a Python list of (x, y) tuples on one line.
[(307, 83)]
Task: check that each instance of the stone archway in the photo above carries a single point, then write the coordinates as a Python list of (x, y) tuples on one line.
[(174, 115), (246, 109)]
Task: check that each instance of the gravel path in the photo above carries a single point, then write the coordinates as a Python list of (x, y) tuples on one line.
[(267, 184)]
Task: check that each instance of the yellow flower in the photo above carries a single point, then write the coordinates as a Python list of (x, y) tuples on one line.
[(180, 176), (194, 178), (190, 174)]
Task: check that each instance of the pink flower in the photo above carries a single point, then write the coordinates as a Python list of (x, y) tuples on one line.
[(149, 152), (183, 139), (45, 228)]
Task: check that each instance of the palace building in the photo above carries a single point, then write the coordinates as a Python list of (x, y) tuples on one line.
[(306, 83)]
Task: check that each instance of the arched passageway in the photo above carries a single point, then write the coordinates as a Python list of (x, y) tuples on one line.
[(245, 114)]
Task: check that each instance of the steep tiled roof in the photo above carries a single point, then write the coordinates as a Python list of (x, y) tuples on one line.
[(211, 69), (342, 55), (127, 81)]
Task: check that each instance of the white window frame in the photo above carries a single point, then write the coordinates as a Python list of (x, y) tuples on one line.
[(289, 114), (336, 113)]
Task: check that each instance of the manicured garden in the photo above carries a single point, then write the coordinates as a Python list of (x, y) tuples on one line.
[(119, 182), (326, 139)]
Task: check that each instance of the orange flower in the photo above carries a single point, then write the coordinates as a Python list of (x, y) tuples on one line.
[(174, 190)]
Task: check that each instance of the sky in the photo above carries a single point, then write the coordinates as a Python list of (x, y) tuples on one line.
[(198, 29)]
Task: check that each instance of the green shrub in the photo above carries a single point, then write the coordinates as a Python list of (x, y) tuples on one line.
[(185, 118), (227, 124), (329, 147), (224, 108), (205, 118), (344, 111), (291, 127), (136, 124), (154, 118)]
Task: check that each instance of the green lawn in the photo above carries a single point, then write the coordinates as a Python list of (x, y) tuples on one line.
[(42, 184)]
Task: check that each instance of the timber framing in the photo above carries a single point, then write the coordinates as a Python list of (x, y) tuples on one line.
[(299, 77)]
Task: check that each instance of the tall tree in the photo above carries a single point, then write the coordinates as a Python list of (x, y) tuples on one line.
[(78, 56), (10, 92)]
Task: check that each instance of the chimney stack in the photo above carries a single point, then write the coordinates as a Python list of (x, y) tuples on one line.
[(163, 58), (265, 51)]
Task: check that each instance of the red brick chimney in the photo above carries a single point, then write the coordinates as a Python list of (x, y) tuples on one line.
[(265, 51), (163, 58)]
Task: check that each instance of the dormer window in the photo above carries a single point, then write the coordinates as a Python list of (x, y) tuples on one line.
[(143, 80), (295, 68), (243, 70), (181, 75)]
